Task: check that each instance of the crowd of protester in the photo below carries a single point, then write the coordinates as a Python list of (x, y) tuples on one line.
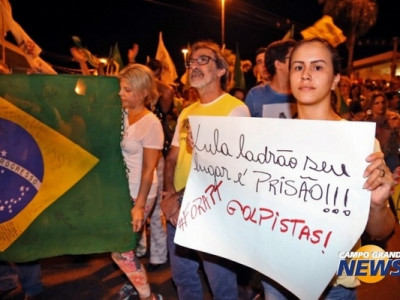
[(369, 100), (375, 101)]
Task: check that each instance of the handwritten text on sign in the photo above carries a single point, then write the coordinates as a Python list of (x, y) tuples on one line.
[(281, 196)]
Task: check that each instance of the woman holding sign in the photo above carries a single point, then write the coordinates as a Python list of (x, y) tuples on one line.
[(314, 71)]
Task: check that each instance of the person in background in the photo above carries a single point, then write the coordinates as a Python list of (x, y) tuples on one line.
[(166, 91), (394, 120), (238, 93), (274, 99), (375, 110), (314, 74), (343, 98), (393, 100), (208, 72), (394, 123), (29, 275), (355, 91), (141, 144), (344, 88), (355, 106), (163, 108), (190, 96), (365, 89), (260, 70), (248, 73)]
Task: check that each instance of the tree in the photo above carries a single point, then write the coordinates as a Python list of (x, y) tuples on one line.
[(355, 18)]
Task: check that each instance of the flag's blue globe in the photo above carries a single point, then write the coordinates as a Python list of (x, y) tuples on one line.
[(21, 169)]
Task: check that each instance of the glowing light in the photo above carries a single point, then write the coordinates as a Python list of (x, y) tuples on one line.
[(80, 87), (185, 52)]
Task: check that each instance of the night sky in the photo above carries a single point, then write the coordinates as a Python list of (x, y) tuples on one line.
[(248, 24)]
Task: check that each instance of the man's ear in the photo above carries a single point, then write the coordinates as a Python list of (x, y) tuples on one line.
[(277, 64), (221, 72)]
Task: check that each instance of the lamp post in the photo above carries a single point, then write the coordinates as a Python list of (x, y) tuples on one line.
[(393, 65), (222, 23), (185, 52)]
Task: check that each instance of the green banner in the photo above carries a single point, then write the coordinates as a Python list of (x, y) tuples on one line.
[(63, 186)]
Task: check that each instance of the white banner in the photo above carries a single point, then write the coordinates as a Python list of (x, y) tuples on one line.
[(280, 196)]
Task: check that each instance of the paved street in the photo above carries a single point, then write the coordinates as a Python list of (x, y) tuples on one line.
[(95, 276), (89, 277)]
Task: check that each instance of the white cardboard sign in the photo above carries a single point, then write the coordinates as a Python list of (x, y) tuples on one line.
[(280, 196)]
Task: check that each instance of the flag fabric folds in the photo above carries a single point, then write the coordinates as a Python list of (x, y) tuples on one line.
[(238, 76), (326, 29), (37, 166), (290, 34), (115, 55), (60, 137), (168, 73)]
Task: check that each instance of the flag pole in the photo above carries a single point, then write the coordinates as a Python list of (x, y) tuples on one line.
[(222, 23), (393, 65)]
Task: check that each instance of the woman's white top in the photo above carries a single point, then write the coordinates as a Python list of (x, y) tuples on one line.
[(145, 133)]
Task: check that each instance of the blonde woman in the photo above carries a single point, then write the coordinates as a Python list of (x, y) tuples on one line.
[(141, 144)]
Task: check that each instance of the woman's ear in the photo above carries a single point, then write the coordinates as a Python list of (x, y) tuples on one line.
[(145, 93), (335, 82)]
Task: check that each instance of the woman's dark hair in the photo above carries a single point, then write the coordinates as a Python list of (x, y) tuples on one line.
[(154, 64), (371, 97), (336, 60)]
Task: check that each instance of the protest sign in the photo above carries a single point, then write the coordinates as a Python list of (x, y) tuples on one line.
[(280, 196)]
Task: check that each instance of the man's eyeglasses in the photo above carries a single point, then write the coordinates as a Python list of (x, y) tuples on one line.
[(201, 61)]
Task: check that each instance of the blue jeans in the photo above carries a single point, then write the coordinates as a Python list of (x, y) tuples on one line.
[(185, 264), (8, 277), (274, 291), (339, 293), (28, 274)]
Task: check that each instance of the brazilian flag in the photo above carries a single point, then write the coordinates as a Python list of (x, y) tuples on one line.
[(63, 186)]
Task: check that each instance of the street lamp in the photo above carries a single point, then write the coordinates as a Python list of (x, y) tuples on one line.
[(222, 23), (185, 52)]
